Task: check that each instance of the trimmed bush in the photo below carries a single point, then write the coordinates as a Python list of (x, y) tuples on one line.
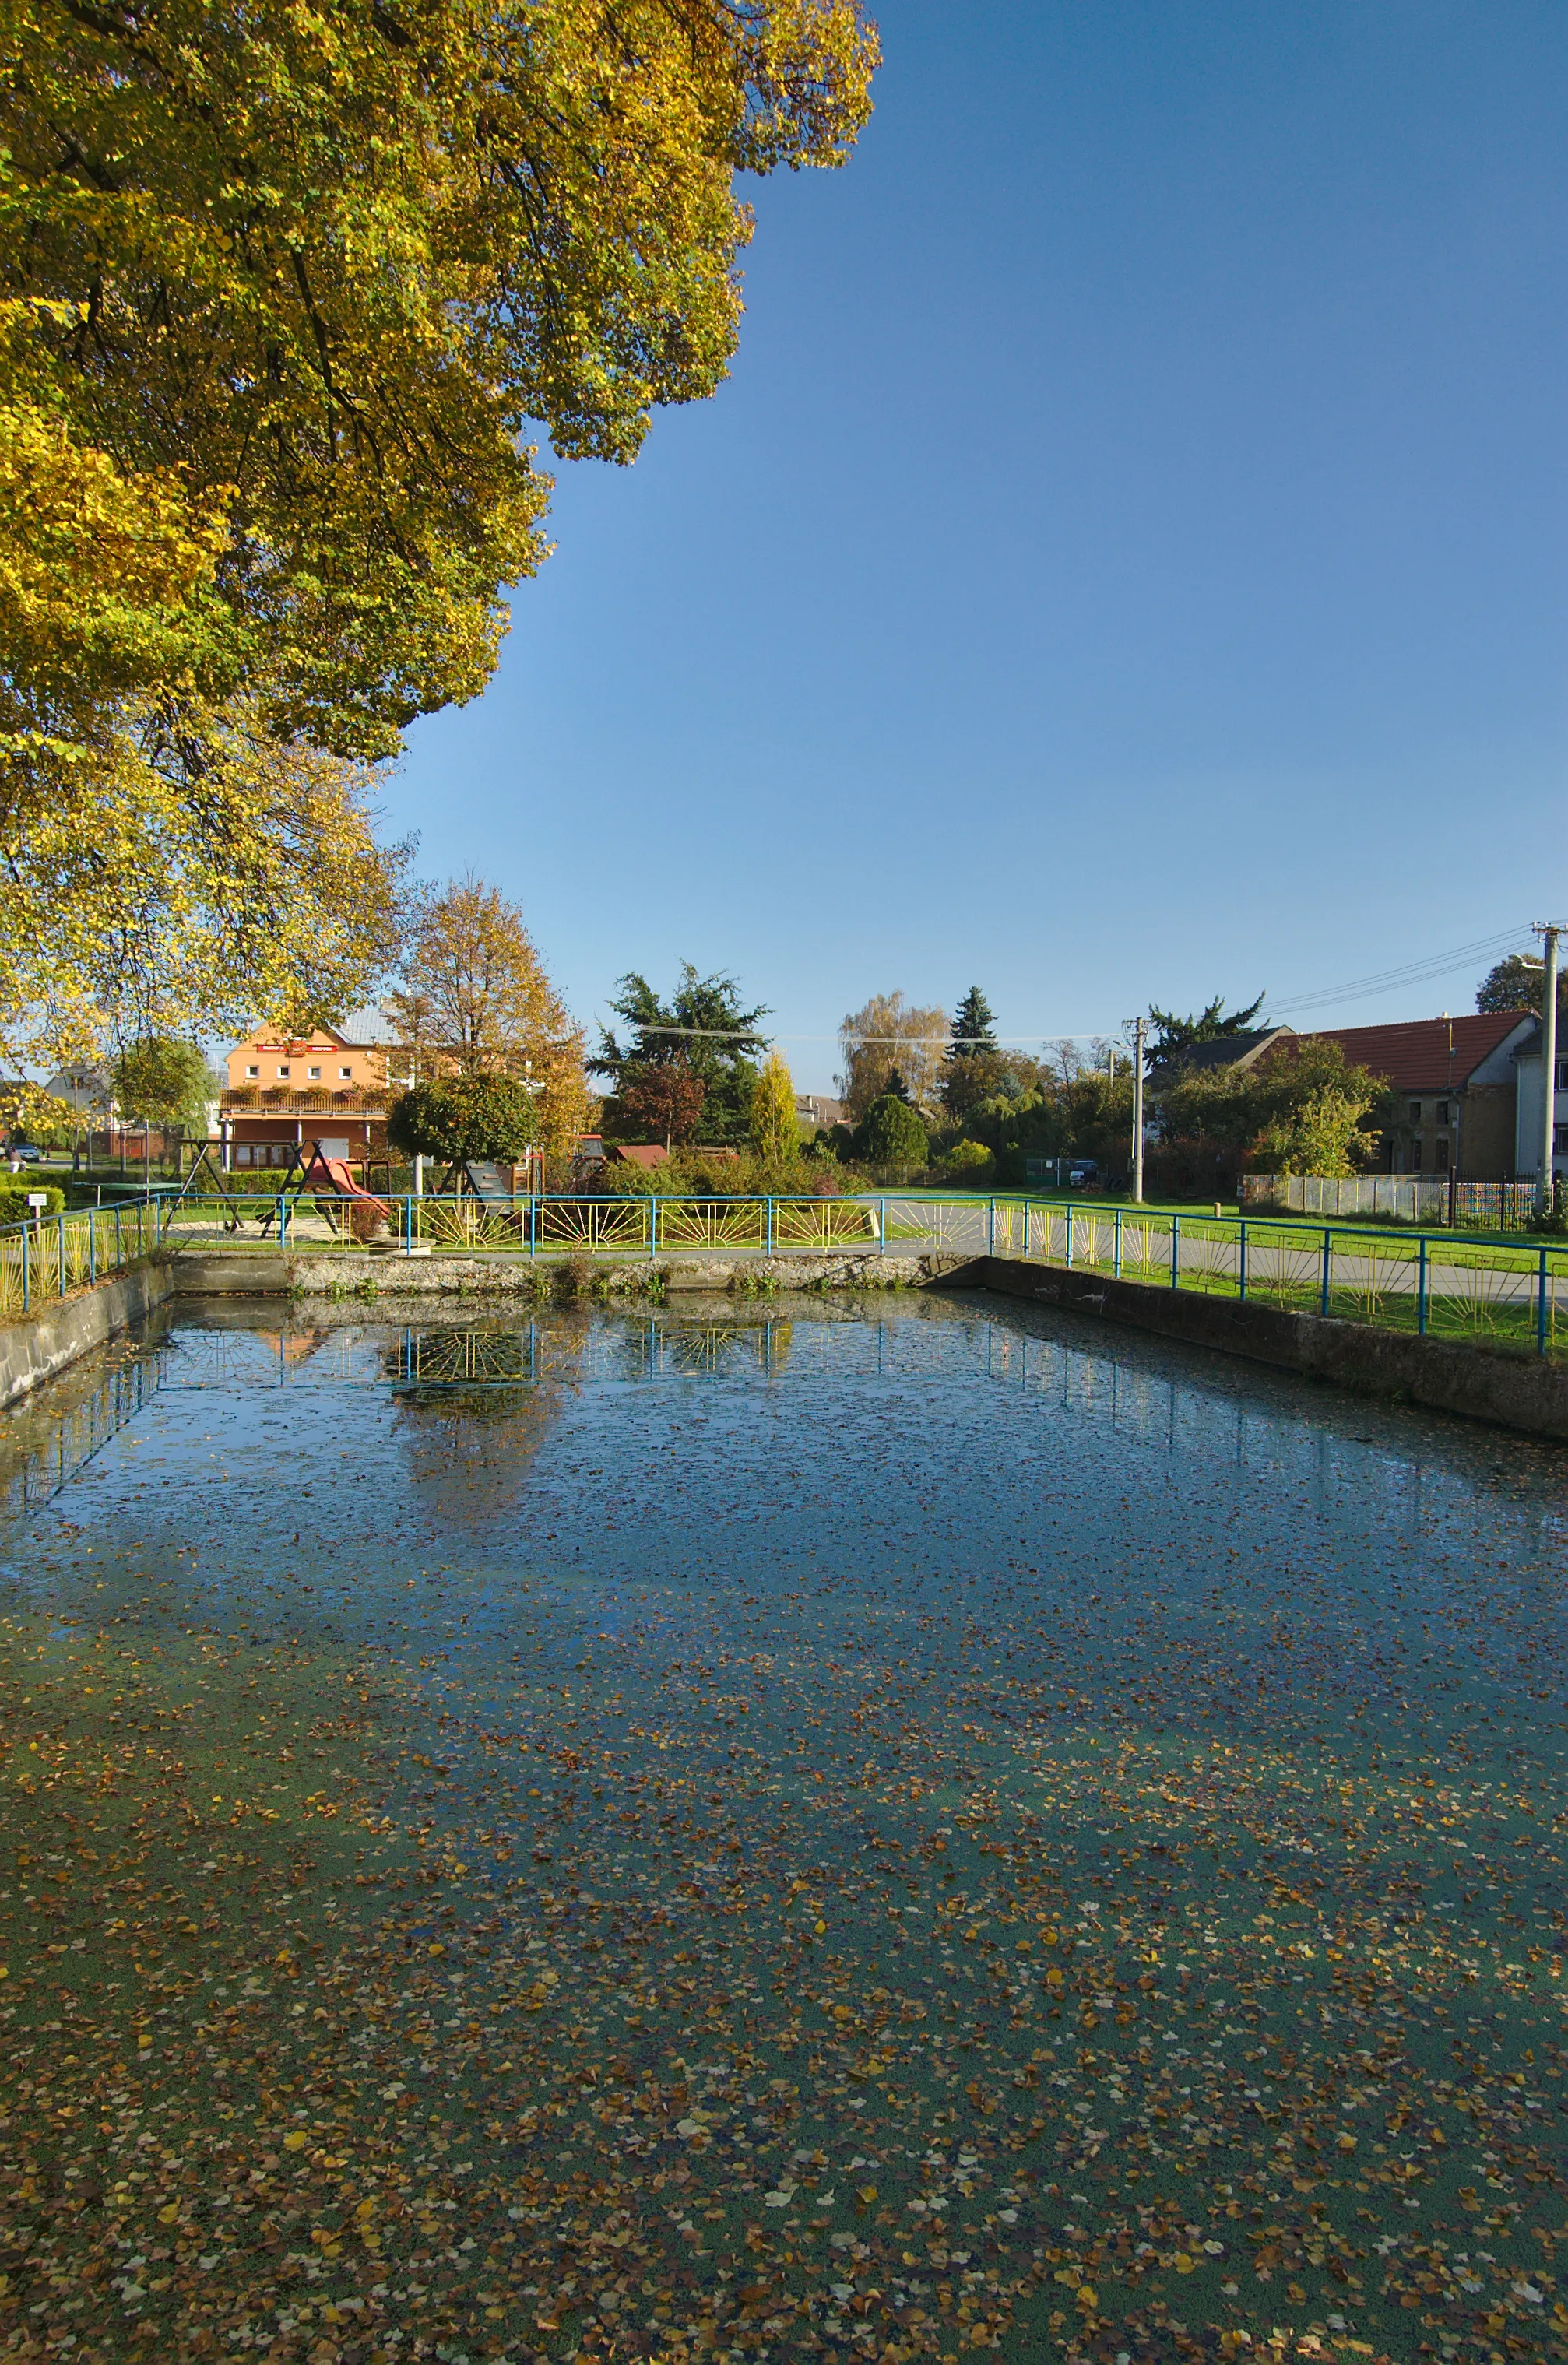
[(14, 1190)]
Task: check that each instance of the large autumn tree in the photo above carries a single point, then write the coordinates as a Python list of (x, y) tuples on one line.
[(474, 1001), (887, 1036), (285, 290)]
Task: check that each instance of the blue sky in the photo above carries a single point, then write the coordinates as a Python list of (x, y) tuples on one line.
[(1129, 562)]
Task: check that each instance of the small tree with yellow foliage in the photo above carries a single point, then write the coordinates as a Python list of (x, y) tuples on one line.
[(775, 1129)]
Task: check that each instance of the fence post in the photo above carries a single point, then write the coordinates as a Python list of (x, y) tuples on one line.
[(1175, 1250), (653, 1225), (1328, 1268), (61, 1274), (119, 1259), (281, 1221), (1116, 1250), (1241, 1264), (1026, 1228), (1069, 1236), (882, 1224), (991, 1232), (27, 1283), (1421, 1288), (767, 1225), (92, 1245), (1540, 1308)]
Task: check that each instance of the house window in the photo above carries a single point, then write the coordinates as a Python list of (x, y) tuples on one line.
[(1441, 1159), (1442, 1112), (1415, 1112), (252, 1072), (316, 1075), (1562, 1075), (282, 1071), (346, 1074)]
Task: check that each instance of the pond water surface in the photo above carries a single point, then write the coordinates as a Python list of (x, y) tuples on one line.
[(872, 1828)]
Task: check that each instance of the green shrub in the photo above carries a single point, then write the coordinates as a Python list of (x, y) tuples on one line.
[(966, 1161), (895, 1135), (14, 1190)]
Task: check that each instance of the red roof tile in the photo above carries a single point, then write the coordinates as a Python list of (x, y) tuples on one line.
[(1414, 1055)]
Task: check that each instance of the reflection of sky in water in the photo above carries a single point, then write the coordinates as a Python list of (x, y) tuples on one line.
[(735, 1711)]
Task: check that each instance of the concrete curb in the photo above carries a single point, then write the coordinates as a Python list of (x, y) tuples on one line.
[(1519, 1392)]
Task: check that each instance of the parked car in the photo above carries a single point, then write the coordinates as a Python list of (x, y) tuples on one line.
[(25, 1153), (1083, 1174)]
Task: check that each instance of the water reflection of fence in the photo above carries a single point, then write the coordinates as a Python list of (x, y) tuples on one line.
[(620, 1351), (1137, 1392), (1131, 1389), (50, 1443)]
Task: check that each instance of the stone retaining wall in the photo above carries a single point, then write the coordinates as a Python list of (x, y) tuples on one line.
[(238, 1273)]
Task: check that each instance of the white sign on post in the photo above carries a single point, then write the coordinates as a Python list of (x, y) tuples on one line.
[(38, 1201)]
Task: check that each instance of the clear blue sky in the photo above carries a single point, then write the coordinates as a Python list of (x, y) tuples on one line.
[(1128, 561)]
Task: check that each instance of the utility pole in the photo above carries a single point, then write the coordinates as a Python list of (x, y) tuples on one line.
[(1138, 1027), (1544, 1194)]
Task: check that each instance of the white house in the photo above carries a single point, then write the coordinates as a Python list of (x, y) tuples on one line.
[(1527, 1066)]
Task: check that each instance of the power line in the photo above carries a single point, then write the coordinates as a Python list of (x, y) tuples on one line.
[(1388, 980)]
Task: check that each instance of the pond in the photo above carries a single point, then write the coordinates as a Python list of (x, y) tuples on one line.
[(863, 1829)]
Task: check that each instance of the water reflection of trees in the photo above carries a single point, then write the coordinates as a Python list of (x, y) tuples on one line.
[(473, 1406)]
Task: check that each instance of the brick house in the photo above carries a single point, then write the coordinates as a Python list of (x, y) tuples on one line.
[(1454, 1088)]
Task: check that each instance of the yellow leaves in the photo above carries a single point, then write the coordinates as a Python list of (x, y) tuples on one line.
[(1185, 2262), (295, 2140), (775, 1129), (1054, 1977), (166, 2216), (1347, 2143)]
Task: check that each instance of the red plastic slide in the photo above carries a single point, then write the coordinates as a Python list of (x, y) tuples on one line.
[(338, 1174)]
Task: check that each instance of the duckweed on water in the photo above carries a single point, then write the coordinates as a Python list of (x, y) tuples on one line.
[(726, 1836)]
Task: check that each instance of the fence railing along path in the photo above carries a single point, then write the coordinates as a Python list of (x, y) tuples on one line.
[(1493, 1291), (52, 1256)]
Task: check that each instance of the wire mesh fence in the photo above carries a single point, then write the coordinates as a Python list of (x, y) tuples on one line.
[(1429, 1200)]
